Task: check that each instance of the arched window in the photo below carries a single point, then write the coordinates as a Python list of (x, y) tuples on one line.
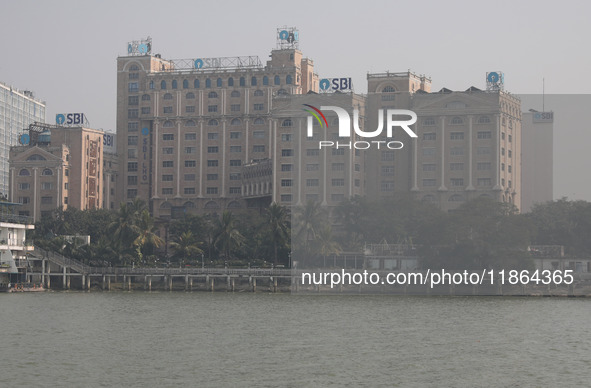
[(286, 123), (196, 84), (483, 120), (258, 93), (189, 205), (259, 121), (185, 84), (174, 84), (265, 80), (190, 123), (212, 205), (190, 96), (36, 157), (253, 81), (235, 93), (47, 171), (277, 80), (212, 122), (457, 121), (230, 81), (168, 124), (234, 205), (151, 84), (288, 79), (388, 89), (168, 96), (146, 97), (235, 122), (24, 172), (212, 95), (242, 81), (163, 85), (208, 83), (134, 68), (219, 82)]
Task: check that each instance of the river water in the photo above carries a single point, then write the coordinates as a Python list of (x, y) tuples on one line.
[(169, 339)]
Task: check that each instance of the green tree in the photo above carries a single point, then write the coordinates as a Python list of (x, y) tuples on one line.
[(185, 247), (278, 221), (227, 236)]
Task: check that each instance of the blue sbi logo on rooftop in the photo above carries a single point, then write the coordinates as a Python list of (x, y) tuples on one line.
[(198, 63), (69, 119), (335, 84)]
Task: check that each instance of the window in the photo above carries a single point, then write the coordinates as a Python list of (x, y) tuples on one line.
[(286, 197), (277, 80), (190, 108), (186, 85), (190, 177), (167, 178), (259, 121), (167, 109), (387, 170), (338, 167), (235, 190), (131, 166), (196, 84), (163, 85), (145, 97), (287, 152), (145, 110), (189, 190), (212, 108), (387, 186), (286, 137), (483, 166), (212, 136), (357, 183), (338, 182), (509, 153), (47, 171), (312, 152), (208, 83), (212, 95), (502, 166), (190, 163), (253, 81), (483, 151), (67, 172), (387, 156), (46, 200), (46, 186), (312, 182), (456, 151), (338, 151), (235, 108), (190, 150), (503, 151), (231, 83), (235, 148), (509, 182), (174, 84), (242, 81), (258, 134), (258, 148), (235, 163), (457, 182), (484, 135), (456, 166), (286, 123), (24, 186), (167, 150), (167, 164), (258, 106), (168, 124), (430, 136), (132, 126), (212, 150), (429, 167), (509, 168), (429, 122), (312, 167), (212, 123), (190, 136), (168, 136), (133, 113), (168, 96), (265, 80), (212, 163), (190, 96), (235, 176), (429, 151), (133, 100), (287, 167), (258, 93), (286, 183), (502, 135), (235, 135), (219, 83), (483, 120), (151, 84), (457, 121), (483, 182), (24, 200), (456, 135), (429, 182), (288, 79), (235, 122), (133, 87), (132, 180), (510, 139), (167, 191), (235, 93)]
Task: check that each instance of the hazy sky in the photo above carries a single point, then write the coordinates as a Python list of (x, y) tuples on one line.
[(65, 51)]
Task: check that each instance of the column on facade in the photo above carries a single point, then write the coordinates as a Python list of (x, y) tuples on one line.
[(155, 152), (498, 153), (178, 159), (201, 159)]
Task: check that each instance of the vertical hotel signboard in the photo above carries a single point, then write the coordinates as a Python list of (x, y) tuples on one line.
[(145, 148)]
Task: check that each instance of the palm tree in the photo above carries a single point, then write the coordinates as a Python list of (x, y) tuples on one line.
[(145, 234), (309, 220), (325, 244), (227, 236), (186, 247), (278, 220)]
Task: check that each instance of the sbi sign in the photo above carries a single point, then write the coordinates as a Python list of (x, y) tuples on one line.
[(69, 118)]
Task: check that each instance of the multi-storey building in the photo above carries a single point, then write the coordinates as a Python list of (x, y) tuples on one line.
[(18, 109), (59, 167), (185, 128)]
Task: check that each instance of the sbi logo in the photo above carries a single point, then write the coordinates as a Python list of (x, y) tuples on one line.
[(69, 118), (334, 84)]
